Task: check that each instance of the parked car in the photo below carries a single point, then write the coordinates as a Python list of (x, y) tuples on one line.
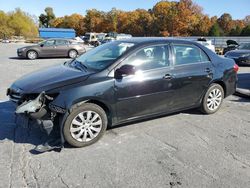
[(52, 48), (231, 45), (241, 55), (118, 82), (5, 41), (93, 38), (206, 43)]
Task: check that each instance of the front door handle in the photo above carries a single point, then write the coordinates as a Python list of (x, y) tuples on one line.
[(168, 77), (208, 70)]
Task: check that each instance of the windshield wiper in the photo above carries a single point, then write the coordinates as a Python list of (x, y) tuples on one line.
[(78, 65)]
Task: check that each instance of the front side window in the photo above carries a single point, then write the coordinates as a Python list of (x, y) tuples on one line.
[(49, 43), (150, 57), (187, 54), (104, 55)]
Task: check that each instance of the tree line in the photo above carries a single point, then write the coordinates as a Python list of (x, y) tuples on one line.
[(165, 18)]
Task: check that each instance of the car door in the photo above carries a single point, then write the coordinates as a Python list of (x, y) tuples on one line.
[(62, 48), (148, 91), (48, 49), (192, 73)]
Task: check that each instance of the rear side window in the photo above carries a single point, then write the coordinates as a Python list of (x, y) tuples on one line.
[(150, 57), (61, 42), (187, 54)]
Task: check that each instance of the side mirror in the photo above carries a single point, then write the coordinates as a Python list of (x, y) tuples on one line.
[(41, 45), (124, 70)]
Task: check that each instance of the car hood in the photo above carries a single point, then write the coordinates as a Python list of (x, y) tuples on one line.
[(28, 47), (237, 53), (50, 78)]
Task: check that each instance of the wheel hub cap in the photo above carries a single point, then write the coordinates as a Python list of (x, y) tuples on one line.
[(86, 126)]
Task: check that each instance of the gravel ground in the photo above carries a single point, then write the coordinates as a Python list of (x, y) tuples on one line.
[(185, 149)]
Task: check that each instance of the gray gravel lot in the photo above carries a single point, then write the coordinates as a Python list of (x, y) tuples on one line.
[(185, 149)]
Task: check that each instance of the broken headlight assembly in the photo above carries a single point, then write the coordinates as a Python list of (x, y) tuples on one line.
[(36, 107)]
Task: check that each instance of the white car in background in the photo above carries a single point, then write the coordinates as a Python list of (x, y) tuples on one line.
[(207, 43)]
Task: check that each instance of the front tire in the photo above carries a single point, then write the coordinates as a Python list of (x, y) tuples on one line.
[(73, 54), (213, 99), (85, 125), (32, 54)]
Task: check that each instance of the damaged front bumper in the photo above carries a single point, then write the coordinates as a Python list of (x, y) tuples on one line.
[(50, 116)]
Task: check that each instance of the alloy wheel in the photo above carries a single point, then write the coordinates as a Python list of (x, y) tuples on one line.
[(32, 55), (72, 54)]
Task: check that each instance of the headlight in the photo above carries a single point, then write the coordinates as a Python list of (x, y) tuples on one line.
[(245, 55)]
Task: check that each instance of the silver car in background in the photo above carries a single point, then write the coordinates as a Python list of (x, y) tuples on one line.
[(52, 48)]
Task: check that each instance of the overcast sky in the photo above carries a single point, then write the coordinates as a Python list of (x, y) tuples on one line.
[(238, 9)]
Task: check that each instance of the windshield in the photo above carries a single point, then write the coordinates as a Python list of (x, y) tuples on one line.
[(244, 46), (102, 56)]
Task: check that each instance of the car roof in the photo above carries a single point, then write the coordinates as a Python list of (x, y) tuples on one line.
[(59, 39), (145, 40)]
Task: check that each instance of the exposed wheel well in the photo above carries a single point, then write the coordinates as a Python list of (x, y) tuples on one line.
[(102, 105), (73, 50), (222, 84)]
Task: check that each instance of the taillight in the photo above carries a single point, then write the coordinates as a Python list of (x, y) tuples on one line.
[(236, 67)]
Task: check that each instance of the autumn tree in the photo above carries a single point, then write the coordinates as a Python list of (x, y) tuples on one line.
[(235, 31), (189, 15), (22, 24), (247, 20), (5, 30), (75, 21), (177, 18), (226, 23), (238, 26), (47, 18), (202, 27), (137, 23), (246, 31), (94, 21), (165, 17), (111, 19), (215, 30)]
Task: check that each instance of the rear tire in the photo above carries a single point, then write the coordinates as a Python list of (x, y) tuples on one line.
[(85, 125), (213, 99), (32, 54)]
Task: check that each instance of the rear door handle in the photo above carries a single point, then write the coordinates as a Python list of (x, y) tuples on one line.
[(168, 77)]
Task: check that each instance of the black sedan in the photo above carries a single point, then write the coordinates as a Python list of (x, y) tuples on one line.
[(121, 82), (240, 55)]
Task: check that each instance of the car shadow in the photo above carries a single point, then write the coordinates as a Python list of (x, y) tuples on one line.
[(21, 131), (18, 130), (17, 58), (241, 100), (194, 111)]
